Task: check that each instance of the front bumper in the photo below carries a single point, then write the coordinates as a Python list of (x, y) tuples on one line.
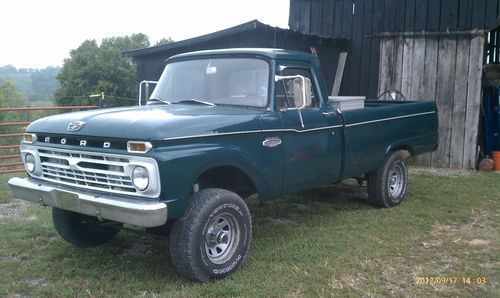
[(136, 212)]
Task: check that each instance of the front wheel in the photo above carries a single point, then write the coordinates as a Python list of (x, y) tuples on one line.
[(83, 230), (387, 186), (211, 240)]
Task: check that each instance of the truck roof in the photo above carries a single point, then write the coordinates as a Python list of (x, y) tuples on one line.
[(266, 52)]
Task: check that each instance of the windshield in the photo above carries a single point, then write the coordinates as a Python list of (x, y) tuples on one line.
[(231, 81)]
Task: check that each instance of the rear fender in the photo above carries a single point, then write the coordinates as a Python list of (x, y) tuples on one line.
[(407, 150)]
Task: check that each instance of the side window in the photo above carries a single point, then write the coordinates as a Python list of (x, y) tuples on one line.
[(286, 89)]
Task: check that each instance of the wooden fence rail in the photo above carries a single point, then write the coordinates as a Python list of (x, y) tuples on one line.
[(12, 162)]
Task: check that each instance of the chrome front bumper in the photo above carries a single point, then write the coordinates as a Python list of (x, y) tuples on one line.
[(136, 212)]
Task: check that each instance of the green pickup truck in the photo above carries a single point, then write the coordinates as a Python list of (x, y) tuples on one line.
[(220, 126)]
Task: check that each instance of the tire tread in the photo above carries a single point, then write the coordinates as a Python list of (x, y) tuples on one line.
[(181, 249), (69, 226), (377, 187)]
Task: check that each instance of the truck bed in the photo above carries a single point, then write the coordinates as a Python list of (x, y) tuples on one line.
[(386, 125)]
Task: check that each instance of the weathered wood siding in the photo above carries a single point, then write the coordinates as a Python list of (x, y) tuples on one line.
[(363, 20), (446, 69), (417, 47)]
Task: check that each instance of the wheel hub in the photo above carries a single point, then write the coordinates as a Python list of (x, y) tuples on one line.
[(222, 238), (217, 236), (396, 181)]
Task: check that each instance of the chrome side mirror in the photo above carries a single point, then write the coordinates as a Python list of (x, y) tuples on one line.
[(146, 91), (299, 89)]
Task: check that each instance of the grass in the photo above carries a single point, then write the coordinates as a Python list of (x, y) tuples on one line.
[(324, 242), (5, 192)]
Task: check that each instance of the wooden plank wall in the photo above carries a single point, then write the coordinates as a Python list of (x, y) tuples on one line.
[(363, 20), (445, 69)]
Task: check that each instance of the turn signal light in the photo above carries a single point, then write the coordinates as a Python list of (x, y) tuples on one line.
[(138, 147), (29, 138)]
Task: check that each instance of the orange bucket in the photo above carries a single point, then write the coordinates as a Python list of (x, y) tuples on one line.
[(496, 160)]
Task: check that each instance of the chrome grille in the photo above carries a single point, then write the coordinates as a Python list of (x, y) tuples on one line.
[(86, 169), (93, 170), (86, 178)]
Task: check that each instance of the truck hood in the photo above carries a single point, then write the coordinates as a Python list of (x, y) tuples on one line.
[(152, 122)]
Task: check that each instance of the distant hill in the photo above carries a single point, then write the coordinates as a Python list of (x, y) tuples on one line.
[(34, 84)]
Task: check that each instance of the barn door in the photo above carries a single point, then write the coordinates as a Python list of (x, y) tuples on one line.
[(447, 69)]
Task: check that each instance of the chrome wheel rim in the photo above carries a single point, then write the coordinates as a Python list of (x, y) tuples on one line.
[(395, 183), (222, 238)]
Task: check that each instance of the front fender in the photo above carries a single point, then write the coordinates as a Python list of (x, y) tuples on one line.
[(182, 165), (240, 159)]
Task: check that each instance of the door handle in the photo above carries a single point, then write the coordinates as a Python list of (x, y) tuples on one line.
[(271, 142), (329, 114)]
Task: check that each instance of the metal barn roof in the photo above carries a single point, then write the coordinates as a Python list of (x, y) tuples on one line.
[(254, 25)]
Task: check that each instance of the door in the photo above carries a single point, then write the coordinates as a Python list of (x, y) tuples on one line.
[(312, 145)]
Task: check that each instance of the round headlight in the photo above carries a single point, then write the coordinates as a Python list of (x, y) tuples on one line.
[(140, 178), (29, 162)]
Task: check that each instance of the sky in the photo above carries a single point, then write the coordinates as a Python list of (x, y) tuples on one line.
[(41, 33)]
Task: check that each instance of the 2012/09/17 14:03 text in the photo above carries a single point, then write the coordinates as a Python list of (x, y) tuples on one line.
[(450, 280)]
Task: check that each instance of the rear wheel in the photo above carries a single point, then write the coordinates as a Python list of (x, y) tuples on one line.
[(82, 230), (387, 186), (211, 240)]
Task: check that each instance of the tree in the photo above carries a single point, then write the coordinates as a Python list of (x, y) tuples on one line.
[(35, 84), (164, 41), (8, 69), (93, 68), (44, 83), (9, 98)]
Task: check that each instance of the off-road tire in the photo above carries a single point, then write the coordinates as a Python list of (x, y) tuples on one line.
[(82, 230), (194, 239), (387, 186)]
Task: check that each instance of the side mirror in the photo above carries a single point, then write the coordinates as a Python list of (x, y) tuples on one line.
[(301, 92), (298, 90), (146, 90)]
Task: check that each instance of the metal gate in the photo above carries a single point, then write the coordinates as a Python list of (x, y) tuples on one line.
[(10, 158)]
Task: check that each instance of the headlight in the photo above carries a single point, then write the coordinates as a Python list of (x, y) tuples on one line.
[(140, 178), (29, 162)]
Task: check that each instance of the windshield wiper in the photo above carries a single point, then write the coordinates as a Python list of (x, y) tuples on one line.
[(198, 101), (161, 100)]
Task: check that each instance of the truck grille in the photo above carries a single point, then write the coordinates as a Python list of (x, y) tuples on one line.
[(94, 170)]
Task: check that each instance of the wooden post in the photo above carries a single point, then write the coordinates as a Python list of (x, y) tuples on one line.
[(430, 75), (473, 101), (339, 73), (386, 68), (407, 77), (460, 103), (444, 97)]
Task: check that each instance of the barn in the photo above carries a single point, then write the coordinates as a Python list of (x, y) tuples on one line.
[(433, 50), (254, 34)]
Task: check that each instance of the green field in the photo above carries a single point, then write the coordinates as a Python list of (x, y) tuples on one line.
[(325, 242)]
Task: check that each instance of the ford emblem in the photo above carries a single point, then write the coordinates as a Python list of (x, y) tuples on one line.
[(76, 126)]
